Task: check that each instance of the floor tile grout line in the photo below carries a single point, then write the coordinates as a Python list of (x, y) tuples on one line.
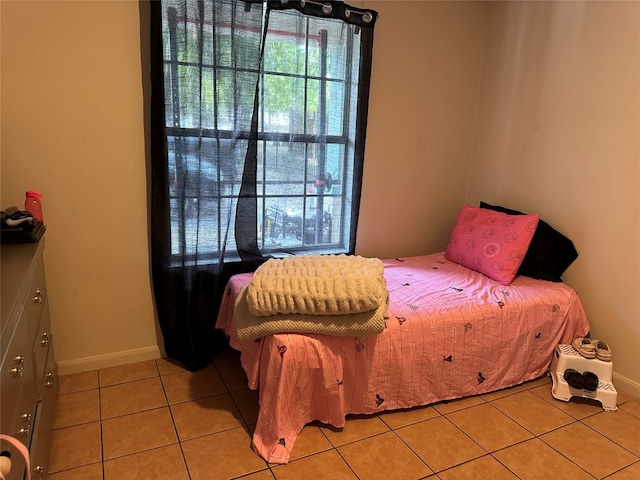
[(475, 441), (524, 426), (102, 462), (233, 399), (621, 469), (346, 462), (547, 400), (102, 419), (487, 453), (411, 448), (575, 420), (553, 404), (608, 437), (173, 422), (467, 435), (621, 407), (564, 455)]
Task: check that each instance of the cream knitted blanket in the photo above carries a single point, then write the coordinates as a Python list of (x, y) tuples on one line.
[(317, 285), (250, 327)]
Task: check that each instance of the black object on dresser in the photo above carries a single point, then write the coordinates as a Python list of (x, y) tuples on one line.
[(28, 382)]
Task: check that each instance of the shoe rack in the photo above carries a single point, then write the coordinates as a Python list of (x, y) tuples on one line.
[(564, 357)]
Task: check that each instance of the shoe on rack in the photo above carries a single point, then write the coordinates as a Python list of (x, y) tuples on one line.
[(585, 347), (574, 378), (603, 352), (590, 381)]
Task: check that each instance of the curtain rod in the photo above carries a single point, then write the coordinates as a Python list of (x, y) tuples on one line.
[(327, 8)]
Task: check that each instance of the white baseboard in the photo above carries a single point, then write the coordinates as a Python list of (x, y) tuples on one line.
[(626, 385), (108, 360)]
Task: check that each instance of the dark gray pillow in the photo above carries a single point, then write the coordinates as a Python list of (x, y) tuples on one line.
[(550, 252)]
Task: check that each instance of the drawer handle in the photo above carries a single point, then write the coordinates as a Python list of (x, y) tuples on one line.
[(38, 297), (46, 337), (51, 377), (26, 417), (26, 431), (19, 368), (39, 469)]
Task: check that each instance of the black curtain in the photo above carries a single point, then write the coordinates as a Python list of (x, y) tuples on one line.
[(207, 144)]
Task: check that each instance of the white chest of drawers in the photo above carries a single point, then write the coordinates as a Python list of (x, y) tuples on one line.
[(28, 382)]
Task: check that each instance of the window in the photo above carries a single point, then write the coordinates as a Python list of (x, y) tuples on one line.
[(307, 176)]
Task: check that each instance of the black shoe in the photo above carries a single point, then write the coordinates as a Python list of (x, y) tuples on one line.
[(574, 378), (590, 381)]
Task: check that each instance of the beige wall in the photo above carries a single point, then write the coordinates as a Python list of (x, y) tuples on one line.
[(72, 127), (558, 133), (426, 71)]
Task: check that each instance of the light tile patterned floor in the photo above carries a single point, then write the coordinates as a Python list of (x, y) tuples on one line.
[(155, 421)]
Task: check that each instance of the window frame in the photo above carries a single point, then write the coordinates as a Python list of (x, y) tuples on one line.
[(348, 189)]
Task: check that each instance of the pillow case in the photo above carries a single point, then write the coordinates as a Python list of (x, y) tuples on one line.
[(493, 243), (549, 254)]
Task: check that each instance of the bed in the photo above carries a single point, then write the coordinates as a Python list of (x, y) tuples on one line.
[(485, 314), (450, 332)]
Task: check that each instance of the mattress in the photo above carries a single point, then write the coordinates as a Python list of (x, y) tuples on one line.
[(450, 332)]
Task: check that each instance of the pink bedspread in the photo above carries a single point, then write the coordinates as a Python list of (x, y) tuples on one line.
[(451, 332)]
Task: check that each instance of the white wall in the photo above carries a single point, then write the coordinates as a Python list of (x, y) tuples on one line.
[(558, 132)]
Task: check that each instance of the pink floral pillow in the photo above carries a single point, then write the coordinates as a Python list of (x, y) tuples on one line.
[(491, 242)]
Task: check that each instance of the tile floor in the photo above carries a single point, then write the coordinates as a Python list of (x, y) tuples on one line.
[(153, 420)]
